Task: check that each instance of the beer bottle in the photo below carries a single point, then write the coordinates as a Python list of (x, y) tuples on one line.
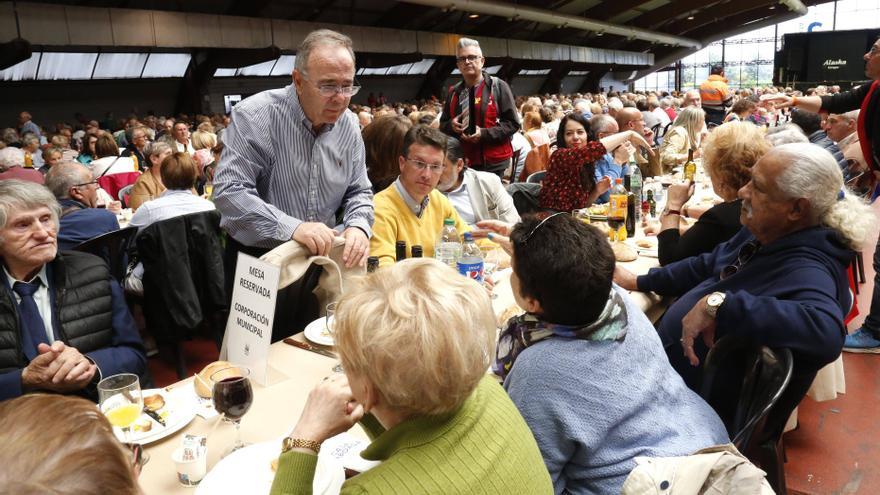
[(372, 264), (400, 248), (416, 251)]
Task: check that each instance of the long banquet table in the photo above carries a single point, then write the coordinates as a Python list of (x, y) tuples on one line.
[(293, 372)]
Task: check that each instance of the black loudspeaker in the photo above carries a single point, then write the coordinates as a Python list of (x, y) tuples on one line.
[(13, 52)]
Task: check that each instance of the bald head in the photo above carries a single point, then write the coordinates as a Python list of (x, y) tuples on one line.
[(630, 118), (692, 99)]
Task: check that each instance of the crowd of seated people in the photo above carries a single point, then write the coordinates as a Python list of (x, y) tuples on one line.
[(783, 213)]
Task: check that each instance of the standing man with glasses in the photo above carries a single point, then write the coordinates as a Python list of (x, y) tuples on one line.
[(293, 158), (412, 209), (780, 282), (488, 147)]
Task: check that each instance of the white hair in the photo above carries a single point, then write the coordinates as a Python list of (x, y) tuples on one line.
[(813, 173), (321, 37), (615, 103), (466, 42), (786, 136), (18, 195), (11, 157), (851, 115)]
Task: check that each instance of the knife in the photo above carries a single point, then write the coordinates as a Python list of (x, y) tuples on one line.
[(309, 347), (155, 416)]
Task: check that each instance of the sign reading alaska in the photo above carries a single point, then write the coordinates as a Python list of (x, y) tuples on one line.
[(833, 64)]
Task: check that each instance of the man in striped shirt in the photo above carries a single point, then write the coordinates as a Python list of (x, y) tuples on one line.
[(294, 156)]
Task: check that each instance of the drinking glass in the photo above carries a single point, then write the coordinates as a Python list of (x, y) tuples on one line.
[(328, 324), (491, 259), (121, 400), (233, 397)]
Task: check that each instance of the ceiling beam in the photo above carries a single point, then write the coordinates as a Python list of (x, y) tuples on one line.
[(671, 12), (605, 11), (718, 14)]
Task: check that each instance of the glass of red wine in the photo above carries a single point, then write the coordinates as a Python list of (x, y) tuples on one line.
[(233, 397)]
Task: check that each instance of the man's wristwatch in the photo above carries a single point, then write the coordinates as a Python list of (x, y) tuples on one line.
[(713, 302), (299, 443)]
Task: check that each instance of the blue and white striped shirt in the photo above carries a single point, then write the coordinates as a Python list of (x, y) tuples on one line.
[(276, 173)]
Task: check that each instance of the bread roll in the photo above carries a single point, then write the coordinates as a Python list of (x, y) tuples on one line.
[(623, 253), (154, 402), (202, 382)]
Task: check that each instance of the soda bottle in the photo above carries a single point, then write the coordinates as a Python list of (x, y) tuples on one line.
[(690, 168), (470, 264), (617, 211), (372, 264), (416, 251), (400, 250), (447, 249)]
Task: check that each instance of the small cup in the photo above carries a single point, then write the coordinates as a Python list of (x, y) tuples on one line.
[(328, 321), (189, 472)]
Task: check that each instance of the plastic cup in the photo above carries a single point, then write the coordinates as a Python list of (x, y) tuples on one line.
[(190, 471)]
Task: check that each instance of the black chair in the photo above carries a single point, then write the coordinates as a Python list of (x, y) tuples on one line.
[(113, 247), (184, 292), (763, 375)]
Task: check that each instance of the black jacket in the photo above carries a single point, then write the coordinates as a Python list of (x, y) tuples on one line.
[(88, 313), (183, 273), (717, 225)]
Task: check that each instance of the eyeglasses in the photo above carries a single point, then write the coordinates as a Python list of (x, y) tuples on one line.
[(329, 90), (420, 165), (86, 183), (746, 253), (469, 59), (528, 236)]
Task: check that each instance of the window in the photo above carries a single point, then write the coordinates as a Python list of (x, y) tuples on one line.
[(119, 65)]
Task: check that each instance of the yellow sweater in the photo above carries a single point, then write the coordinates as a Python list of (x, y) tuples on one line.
[(396, 222)]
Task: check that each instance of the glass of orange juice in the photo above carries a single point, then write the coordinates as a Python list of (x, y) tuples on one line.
[(121, 400)]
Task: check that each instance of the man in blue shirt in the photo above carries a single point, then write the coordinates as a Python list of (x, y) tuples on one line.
[(77, 192), (602, 126)]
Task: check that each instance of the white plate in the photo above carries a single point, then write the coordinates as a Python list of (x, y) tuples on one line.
[(317, 333), (249, 470), (177, 413)]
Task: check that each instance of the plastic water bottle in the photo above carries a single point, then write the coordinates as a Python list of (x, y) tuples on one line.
[(470, 264), (635, 186), (447, 249)]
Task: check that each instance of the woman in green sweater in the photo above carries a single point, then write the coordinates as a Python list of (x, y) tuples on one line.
[(415, 340)]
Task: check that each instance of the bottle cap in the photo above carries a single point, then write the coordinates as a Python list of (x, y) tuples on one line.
[(449, 221), (468, 236), (618, 180)]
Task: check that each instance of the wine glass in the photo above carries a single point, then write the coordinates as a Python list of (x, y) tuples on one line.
[(233, 397), (121, 400), (328, 320)]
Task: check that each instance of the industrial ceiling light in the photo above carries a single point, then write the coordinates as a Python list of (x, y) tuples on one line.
[(474, 16), (690, 17)]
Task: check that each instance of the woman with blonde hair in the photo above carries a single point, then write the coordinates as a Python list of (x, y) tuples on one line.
[(55, 444), (149, 185), (415, 341), (203, 140), (684, 135), (729, 153)]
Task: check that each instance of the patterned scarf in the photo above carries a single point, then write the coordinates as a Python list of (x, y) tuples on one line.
[(525, 330)]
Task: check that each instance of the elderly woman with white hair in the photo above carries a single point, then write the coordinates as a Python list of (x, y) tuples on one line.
[(781, 281), (415, 341), (12, 166)]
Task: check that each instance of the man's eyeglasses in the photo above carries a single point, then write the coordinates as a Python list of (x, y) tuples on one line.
[(420, 165), (746, 253), (86, 183), (329, 90), (469, 59), (528, 236)]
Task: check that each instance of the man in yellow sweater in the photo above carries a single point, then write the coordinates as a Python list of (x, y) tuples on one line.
[(412, 209)]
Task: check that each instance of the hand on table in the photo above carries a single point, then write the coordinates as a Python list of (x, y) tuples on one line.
[(697, 322), (625, 278), (652, 228), (330, 410), (357, 247), (316, 237), (59, 368)]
